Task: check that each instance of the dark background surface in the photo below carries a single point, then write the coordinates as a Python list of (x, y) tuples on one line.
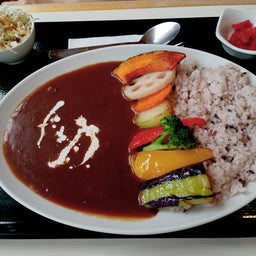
[(17, 221)]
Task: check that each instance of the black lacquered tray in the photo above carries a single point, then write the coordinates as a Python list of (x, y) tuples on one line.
[(17, 221)]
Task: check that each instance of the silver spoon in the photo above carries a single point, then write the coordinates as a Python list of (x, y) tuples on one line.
[(162, 33)]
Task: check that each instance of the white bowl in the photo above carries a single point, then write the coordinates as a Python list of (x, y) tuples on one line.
[(18, 53), (224, 30)]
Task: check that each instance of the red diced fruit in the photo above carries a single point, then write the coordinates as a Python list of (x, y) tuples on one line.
[(244, 35), (253, 45), (242, 25)]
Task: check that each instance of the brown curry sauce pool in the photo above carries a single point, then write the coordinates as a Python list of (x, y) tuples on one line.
[(105, 185)]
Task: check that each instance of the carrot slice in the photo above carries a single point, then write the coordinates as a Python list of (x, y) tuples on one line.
[(152, 100)]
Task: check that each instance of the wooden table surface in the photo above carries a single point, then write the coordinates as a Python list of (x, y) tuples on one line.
[(76, 5)]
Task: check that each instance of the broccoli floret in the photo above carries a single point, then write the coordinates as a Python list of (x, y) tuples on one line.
[(175, 136)]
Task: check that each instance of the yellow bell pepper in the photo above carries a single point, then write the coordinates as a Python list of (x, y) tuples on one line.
[(152, 164)]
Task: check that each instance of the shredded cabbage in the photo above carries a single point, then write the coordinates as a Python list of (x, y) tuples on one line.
[(15, 27)]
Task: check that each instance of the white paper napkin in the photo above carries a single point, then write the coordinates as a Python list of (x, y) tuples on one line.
[(93, 41)]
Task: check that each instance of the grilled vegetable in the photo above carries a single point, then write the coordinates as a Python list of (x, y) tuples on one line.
[(152, 100), (151, 117), (178, 136), (193, 121), (148, 84), (146, 136), (182, 187), (152, 164), (147, 63)]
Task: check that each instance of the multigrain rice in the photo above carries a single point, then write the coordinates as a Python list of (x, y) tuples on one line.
[(225, 97)]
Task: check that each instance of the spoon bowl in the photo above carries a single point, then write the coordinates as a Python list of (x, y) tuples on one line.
[(162, 33)]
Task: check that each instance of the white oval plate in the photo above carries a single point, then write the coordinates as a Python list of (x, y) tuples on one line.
[(164, 221)]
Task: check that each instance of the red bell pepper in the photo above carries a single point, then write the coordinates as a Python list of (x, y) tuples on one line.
[(148, 135), (144, 137), (193, 121)]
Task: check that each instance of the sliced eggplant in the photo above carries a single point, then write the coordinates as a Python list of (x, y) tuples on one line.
[(185, 186)]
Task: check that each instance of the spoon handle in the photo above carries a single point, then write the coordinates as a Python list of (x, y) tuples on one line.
[(62, 53)]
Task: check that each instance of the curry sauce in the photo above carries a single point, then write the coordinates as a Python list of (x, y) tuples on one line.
[(68, 141)]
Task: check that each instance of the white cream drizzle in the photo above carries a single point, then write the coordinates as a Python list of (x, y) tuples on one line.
[(60, 134), (89, 131), (84, 129), (42, 126)]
